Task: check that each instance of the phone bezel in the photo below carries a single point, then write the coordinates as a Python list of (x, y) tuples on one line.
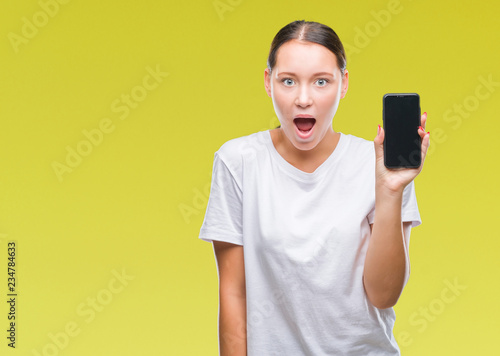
[(409, 163)]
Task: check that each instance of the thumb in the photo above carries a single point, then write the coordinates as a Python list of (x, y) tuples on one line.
[(378, 142)]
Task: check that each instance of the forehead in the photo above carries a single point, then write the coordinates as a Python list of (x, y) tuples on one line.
[(305, 57)]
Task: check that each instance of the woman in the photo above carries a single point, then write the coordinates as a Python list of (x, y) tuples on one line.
[(310, 229)]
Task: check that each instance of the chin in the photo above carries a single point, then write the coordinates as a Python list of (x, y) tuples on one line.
[(303, 145), (309, 143)]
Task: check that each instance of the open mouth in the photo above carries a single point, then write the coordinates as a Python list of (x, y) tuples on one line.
[(304, 126)]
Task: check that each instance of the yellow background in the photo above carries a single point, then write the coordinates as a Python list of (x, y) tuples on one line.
[(135, 203)]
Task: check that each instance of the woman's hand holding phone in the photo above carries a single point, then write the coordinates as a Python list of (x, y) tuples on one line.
[(396, 179)]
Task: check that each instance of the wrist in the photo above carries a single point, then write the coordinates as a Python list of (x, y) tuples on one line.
[(389, 191)]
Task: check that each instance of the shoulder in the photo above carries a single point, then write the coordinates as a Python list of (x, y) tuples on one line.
[(235, 151), (233, 147), (359, 148)]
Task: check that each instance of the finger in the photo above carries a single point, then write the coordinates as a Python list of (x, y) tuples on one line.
[(423, 120), (378, 142), (425, 145)]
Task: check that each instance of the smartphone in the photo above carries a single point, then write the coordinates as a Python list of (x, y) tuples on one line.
[(401, 119)]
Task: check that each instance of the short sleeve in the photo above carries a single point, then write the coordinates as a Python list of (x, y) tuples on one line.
[(409, 207), (223, 217)]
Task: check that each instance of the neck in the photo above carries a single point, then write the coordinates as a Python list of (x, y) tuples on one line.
[(308, 159)]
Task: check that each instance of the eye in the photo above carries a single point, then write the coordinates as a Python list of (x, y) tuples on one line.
[(322, 82), (288, 82)]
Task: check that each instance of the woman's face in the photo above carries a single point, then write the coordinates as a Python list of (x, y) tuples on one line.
[(306, 86)]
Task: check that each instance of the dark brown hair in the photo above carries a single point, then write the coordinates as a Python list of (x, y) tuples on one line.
[(308, 31)]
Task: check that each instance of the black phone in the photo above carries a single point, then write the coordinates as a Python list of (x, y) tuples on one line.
[(402, 143)]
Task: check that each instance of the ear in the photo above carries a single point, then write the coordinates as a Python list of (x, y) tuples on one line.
[(345, 84), (267, 81)]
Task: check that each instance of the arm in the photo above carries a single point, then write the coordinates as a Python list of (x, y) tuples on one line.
[(387, 263), (232, 299)]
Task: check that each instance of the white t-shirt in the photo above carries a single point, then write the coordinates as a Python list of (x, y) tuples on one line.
[(305, 237)]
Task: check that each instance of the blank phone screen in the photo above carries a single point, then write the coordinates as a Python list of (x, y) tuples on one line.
[(402, 144)]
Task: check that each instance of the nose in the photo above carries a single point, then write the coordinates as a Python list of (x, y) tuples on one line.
[(304, 98)]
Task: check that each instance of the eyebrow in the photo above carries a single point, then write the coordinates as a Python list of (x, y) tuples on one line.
[(314, 75)]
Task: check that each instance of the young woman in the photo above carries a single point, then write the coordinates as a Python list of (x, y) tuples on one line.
[(310, 229)]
